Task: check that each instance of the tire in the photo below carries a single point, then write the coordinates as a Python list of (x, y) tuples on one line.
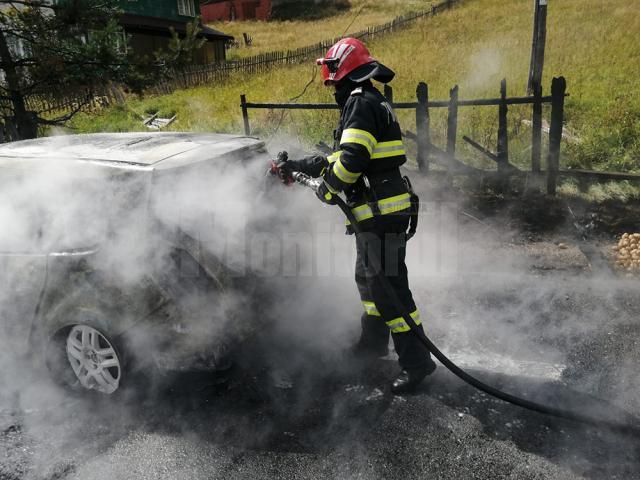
[(84, 355)]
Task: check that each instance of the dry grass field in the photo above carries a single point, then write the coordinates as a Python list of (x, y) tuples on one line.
[(591, 42), (284, 35)]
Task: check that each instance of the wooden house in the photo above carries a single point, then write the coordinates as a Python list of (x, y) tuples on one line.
[(147, 23)]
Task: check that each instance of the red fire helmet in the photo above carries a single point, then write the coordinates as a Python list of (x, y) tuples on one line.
[(350, 58)]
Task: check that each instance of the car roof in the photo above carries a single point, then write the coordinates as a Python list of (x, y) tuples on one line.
[(144, 149)]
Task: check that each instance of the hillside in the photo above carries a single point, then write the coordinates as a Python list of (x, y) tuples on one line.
[(590, 42), (283, 35)]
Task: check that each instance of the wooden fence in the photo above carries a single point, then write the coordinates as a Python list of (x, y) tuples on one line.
[(59, 104), (446, 157), (205, 74), (428, 152), (87, 99)]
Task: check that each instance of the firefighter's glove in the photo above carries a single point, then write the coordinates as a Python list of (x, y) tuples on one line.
[(285, 168), (325, 195)]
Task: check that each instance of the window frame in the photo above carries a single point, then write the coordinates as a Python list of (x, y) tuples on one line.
[(186, 8)]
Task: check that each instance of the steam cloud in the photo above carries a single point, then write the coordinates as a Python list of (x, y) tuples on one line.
[(475, 298)]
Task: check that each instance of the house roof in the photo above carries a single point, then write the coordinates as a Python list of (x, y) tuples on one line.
[(160, 26), (208, 31)]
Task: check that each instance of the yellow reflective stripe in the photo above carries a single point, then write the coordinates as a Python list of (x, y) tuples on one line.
[(396, 152), (388, 149), (371, 309), (343, 174), (361, 137), (357, 133), (363, 212), (398, 325), (394, 204), (359, 141), (386, 206), (335, 156)]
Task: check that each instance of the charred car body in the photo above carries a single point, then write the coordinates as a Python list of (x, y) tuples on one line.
[(105, 268)]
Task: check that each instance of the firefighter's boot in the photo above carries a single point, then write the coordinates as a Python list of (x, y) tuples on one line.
[(410, 378)]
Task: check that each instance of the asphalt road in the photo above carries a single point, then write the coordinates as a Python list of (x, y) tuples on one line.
[(326, 417)]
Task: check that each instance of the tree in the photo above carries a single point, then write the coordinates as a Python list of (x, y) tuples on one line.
[(57, 46), (179, 52)]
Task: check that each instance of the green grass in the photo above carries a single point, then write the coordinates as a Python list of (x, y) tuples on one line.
[(601, 192), (591, 42)]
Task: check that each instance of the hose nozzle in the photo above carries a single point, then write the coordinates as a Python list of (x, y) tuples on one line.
[(306, 180)]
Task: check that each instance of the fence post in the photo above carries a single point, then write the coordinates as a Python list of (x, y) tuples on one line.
[(558, 90), (503, 132), (452, 122), (538, 44), (245, 114), (388, 93), (422, 127), (534, 42), (452, 132), (536, 134)]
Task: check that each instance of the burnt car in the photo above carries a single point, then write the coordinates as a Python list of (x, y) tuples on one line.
[(119, 253)]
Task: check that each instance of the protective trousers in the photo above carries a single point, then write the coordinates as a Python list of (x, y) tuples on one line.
[(388, 244)]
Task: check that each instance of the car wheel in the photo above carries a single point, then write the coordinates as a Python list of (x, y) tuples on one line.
[(85, 357), (93, 359)]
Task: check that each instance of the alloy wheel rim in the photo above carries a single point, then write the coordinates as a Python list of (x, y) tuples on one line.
[(93, 359)]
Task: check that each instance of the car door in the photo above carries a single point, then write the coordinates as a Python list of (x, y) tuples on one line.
[(22, 279)]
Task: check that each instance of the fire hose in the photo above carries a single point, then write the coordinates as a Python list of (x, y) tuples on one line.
[(309, 182)]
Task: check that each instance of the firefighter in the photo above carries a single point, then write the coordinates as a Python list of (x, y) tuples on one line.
[(368, 152)]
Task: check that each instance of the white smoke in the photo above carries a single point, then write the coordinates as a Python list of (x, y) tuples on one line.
[(480, 300)]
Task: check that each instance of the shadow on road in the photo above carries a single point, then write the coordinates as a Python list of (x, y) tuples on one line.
[(303, 411)]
